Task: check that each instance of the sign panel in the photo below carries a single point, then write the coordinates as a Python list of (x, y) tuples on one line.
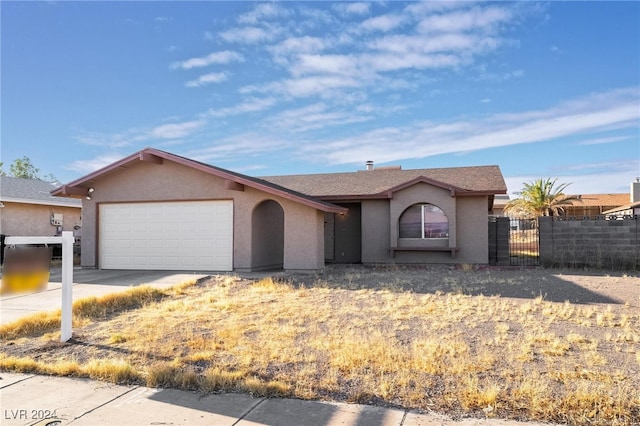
[(25, 269)]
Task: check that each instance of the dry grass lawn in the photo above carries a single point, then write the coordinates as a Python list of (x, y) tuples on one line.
[(449, 352)]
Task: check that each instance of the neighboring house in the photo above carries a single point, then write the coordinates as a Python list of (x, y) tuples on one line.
[(591, 205), (156, 210), (499, 203), (27, 208), (630, 208)]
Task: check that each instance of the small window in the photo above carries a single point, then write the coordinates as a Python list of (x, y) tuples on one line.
[(424, 221)]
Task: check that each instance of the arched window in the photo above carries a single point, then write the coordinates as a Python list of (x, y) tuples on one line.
[(424, 221)]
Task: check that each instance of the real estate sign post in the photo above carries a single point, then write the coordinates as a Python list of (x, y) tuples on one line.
[(67, 240)]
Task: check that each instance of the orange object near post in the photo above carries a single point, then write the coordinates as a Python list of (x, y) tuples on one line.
[(25, 270)]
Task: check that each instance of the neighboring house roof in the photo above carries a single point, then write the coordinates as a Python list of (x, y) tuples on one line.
[(32, 191), (622, 208), (80, 186), (596, 200), (381, 183), (501, 200)]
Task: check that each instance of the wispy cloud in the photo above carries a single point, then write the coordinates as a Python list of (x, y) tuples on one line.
[(96, 163), (250, 35), (437, 36), (176, 130), (213, 77), (110, 140), (355, 8), (223, 57), (382, 23), (249, 105), (263, 11), (245, 145), (315, 116), (601, 141), (615, 109), (484, 19)]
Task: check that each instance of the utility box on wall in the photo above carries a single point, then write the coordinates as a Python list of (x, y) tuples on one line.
[(56, 219)]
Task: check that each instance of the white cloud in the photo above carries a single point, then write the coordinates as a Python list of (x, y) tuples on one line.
[(383, 23), (356, 8), (88, 166), (175, 130), (324, 64), (250, 35), (223, 57), (239, 146), (213, 77), (422, 8), (556, 49), (508, 75), (111, 141), (320, 85), (295, 45), (250, 105), (601, 141), (615, 109), (477, 19), (314, 116), (263, 11)]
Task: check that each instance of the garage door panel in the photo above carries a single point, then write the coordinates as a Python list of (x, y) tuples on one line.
[(194, 235)]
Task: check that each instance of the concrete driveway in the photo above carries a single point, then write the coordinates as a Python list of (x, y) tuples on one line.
[(87, 282)]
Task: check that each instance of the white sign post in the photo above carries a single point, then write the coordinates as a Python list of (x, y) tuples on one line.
[(67, 241)]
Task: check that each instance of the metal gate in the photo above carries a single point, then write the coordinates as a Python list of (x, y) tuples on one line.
[(524, 242)]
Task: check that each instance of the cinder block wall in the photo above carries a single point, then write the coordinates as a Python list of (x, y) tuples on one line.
[(599, 243), (499, 241)]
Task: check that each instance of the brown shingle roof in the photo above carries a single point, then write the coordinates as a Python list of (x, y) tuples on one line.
[(598, 200), (478, 179)]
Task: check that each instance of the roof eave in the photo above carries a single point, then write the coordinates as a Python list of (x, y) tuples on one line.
[(155, 156), (40, 202)]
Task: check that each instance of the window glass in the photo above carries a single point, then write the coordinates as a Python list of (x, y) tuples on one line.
[(424, 221), (411, 222)]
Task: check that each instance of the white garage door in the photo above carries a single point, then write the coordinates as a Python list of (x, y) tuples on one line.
[(193, 235)]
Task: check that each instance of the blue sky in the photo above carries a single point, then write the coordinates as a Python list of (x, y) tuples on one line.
[(541, 89)]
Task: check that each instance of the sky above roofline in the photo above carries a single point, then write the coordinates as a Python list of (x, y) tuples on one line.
[(548, 89)]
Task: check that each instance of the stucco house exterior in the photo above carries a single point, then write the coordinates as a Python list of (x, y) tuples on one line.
[(27, 208), (157, 210)]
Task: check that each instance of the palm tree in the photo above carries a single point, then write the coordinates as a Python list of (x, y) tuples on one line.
[(540, 198)]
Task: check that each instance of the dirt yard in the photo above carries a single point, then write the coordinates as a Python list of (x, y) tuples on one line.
[(529, 344), (553, 285)]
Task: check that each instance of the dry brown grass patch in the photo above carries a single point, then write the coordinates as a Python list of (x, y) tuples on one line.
[(454, 353)]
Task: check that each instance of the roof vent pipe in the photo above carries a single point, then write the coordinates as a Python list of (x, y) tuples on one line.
[(369, 165)]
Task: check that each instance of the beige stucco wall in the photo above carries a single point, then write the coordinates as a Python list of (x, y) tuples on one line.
[(422, 193), (34, 219), (468, 227), (473, 229), (375, 231), (139, 182)]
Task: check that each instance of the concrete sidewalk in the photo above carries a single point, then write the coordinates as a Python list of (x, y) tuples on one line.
[(44, 400)]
